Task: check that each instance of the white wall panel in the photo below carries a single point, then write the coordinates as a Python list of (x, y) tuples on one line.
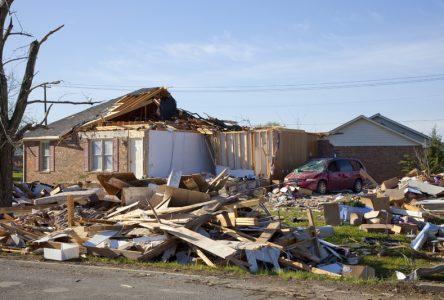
[(181, 151)]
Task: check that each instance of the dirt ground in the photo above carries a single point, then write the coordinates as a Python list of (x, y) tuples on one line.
[(33, 279)]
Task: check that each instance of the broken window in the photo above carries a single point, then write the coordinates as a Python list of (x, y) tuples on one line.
[(102, 155), (45, 156), (344, 165)]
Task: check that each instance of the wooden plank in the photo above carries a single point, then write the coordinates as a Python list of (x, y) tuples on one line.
[(302, 266), (122, 209), (200, 241), (158, 250), (204, 258), (312, 231), (114, 253), (268, 232), (62, 197), (247, 222), (245, 203), (70, 207)]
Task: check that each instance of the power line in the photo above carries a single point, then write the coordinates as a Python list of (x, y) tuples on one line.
[(272, 87)]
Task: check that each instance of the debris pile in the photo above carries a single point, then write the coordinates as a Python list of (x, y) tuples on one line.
[(410, 206), (188, 219)]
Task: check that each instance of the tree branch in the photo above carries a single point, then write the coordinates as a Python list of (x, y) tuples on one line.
[(32, 126), (64, 102), (45, 83), (28, 76), (50, 33), (15, 59)]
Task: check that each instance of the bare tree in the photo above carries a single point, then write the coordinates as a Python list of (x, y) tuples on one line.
[(12, 127)]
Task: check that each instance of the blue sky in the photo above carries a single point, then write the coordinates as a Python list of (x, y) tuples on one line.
[(124, 45)]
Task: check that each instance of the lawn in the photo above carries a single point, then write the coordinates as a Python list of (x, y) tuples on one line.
[(17, 176), (386, 260)]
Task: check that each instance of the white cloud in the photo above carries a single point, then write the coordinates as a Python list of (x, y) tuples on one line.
[(225, 48)]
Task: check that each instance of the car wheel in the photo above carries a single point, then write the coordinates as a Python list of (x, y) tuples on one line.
[(322, 187), (357, 187)]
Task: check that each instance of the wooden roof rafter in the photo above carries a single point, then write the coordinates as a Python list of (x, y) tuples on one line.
[(127, 104)]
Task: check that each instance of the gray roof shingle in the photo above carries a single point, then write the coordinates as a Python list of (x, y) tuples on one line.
[(65, 125)]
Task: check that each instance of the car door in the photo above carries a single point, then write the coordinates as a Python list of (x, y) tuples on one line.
[(333, 176), (345, 169)]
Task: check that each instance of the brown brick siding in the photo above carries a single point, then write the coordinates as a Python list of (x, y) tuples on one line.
[(69, 162), (381, 162)]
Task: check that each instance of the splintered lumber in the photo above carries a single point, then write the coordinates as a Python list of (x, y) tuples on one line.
[(24, 209), (312, 232), (26, 234), (157, 250), (268, 232), (302, 266), (103, 179), (245, 203), (62, 197), (205, 258), (122, 209), (113, 253), (216, 180), (200, 241), (247, 222)]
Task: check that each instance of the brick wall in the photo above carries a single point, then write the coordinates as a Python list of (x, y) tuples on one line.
[(381, 162), (69, 162)]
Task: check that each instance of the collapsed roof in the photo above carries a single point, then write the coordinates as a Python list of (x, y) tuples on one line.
[(148, 108)]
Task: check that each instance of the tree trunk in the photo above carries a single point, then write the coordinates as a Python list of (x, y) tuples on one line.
[(6, 183)]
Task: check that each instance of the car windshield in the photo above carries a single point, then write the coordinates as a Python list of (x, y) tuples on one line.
[(314, 165)]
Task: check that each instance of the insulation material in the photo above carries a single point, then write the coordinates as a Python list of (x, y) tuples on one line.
[(172, 150)]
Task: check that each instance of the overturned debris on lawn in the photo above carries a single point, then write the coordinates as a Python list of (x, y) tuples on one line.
[(148, 220)]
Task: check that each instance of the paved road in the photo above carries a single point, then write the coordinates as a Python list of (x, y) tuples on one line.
[(46, 280)]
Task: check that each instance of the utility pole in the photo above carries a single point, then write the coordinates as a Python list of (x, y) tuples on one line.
[(44, 103)]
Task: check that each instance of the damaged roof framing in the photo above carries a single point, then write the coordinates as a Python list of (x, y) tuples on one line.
[(148, 108)]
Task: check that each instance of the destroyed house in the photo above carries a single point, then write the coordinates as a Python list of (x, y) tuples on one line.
[(379, 142), (142, 132)]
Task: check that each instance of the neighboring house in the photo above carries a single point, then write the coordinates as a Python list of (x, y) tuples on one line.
[(141, 132), (18, 159), (379, 142)]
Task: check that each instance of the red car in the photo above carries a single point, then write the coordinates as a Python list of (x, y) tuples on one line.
[(328, 174)]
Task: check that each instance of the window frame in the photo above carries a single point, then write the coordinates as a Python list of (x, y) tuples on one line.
[(102, 155), (42, 156)]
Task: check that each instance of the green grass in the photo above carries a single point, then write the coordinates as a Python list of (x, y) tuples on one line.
[(17, 176), (385, 260)]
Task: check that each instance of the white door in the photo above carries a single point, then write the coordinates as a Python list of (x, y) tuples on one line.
[(136, 157)]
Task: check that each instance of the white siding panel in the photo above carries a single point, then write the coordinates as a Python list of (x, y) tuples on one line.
[(364, 133), (180, 151)]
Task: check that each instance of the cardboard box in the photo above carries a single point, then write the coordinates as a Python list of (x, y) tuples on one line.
[(378, 217), (65, 252), (390, 183), (382, 203), (355, 219), (404, 228), (393, 194), (358, 271), (381, 228), (331, 214)]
